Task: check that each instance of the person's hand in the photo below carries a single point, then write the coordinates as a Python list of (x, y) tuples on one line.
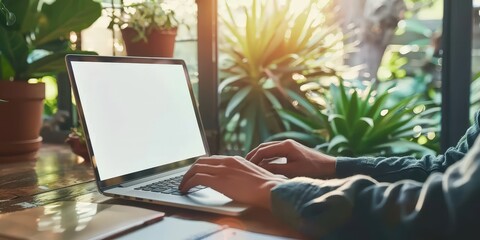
[(301, 160), (235, 177)]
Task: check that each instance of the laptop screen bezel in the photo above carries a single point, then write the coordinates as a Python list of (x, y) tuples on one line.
[(115, 181)]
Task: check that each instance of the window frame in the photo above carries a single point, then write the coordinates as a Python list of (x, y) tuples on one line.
[(456, 70)]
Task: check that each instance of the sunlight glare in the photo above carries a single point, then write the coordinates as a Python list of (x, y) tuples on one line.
[(422, 140), (431, 135), (417, 128), (419, 109)]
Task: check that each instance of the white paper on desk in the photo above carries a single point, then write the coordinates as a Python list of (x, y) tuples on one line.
[(237, 234), (176, 228), (173, 228), (74, 220)]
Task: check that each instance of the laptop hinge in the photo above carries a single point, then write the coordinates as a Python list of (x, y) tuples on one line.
[(153, 177)]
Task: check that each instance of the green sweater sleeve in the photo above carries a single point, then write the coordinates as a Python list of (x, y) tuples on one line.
[(392, 169), (445, 206)]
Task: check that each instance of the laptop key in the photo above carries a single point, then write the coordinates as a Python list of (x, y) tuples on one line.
[(176, 193), (168, 191), (168, 186)]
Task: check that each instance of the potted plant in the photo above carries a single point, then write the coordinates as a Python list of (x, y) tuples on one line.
[(148, 28), (32, 47), (354, 119), (77, 142), (263, 55)]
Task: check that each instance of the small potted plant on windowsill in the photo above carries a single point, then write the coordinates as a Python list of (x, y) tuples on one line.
[(148, 28), (33, 45), (76, 140)]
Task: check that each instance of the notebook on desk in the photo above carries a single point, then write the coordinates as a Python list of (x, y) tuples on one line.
[(143, 129), (75, 221)]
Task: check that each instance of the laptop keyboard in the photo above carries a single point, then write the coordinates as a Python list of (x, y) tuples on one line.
[(168, 186)]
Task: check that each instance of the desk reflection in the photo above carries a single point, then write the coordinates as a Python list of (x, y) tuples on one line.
[(73, 220), (51, 177)]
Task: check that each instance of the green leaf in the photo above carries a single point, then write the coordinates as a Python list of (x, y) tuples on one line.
[(263, 127), (358, 131), (364, 102), (344, 97), (336, 142), (421, 42), (396, 112), (230, 81), (65, 16), (430, 111), (302, 101), (298, 27), (416, 27), (377, 106), (297, 120), (6, 70), (273, 100), (15, 49), (237, 100), (249, 130), (52, 63), (339, 124), (26, 15), (304, 138), (337, 100), (352, 114)]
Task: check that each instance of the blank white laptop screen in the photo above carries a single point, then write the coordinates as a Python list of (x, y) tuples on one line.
[(139, 115)]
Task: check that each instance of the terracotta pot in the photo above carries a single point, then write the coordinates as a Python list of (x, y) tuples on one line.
[(161, 43), (20, 120), (78, 147)]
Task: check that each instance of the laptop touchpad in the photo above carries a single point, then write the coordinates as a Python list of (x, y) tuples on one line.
[(209, 196)]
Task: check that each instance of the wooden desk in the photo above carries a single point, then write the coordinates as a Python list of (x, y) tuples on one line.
[(59, 175)]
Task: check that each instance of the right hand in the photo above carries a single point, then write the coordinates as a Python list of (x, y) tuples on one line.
[(235, 177), (301, 160)]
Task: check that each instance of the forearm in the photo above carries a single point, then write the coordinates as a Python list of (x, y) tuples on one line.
[(398, 168), (391, 169), (445, 206), (305, 204)]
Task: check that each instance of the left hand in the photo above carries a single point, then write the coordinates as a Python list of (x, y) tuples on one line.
[(235, 177)]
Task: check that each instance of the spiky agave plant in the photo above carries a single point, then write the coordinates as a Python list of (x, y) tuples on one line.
[(360, 121), (261, 56)]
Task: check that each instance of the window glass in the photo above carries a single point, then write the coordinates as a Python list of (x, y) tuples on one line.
[(292, 69), (104, 41)]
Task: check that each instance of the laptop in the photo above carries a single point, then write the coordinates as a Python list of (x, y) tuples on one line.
[(143, 129)]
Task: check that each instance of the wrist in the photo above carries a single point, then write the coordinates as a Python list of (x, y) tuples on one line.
[(267, 187), (332, 167)]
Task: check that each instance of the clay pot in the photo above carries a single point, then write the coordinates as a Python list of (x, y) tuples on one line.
[(20, 120), (161, 43), (78, 147)]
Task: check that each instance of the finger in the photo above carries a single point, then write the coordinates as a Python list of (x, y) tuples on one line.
[(203, 169), (246, 166), (212, 160), (199, 179), (283, 169), (277, 160), (235, 163), (252, 152), (271, 151), (220, 181), (218, 165)]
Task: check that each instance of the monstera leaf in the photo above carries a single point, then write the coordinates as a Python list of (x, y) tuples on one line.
[(37, 42)]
